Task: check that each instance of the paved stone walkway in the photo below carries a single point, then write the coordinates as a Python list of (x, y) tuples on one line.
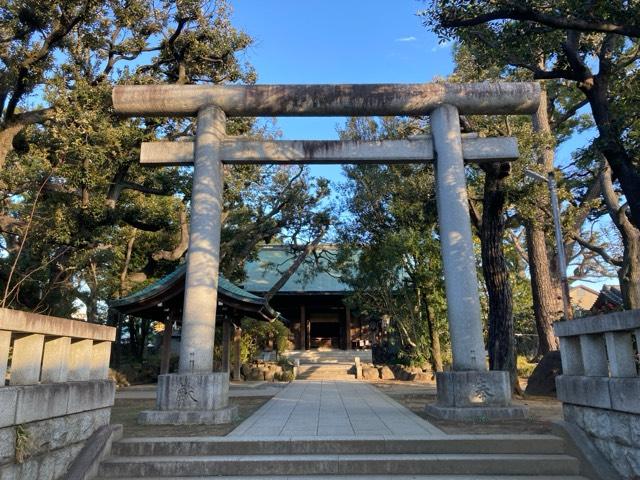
[(331, 409)]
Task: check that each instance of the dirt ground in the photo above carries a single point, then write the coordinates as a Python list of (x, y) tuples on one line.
[(542, 410), (125, 412)]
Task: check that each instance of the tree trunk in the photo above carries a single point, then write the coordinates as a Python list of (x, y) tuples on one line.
[(629, 272), (434, 341), (547, 306), (610, 143), (547, 300), (501, 342)]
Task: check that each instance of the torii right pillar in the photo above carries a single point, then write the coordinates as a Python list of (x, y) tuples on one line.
[(469, 390)]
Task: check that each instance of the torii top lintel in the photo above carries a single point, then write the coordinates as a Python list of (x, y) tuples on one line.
[(327, 100)]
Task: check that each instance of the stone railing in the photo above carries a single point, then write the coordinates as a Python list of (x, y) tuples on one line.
[(600, 385), (58, 393), (52, 350)]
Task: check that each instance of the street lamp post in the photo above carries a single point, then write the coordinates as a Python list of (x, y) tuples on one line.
[(550, 180)]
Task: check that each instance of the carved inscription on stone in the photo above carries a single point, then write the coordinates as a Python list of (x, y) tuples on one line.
[(185, 394), (481, 392)]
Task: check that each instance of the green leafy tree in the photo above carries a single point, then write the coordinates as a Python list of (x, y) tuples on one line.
[(588, 54), (390, 251), (81, 220)]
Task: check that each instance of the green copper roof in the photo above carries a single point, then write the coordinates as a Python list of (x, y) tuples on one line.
[(311, 277), (224, 286)]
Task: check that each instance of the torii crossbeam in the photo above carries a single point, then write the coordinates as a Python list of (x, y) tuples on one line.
[(238, 150)]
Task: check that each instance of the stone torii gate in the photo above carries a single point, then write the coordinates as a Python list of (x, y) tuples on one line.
[(195, 394)]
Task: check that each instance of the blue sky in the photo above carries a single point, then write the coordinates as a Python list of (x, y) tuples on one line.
[(340, 41), (329, 41)]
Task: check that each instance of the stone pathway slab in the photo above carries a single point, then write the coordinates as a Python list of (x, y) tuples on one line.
[(333, 409)]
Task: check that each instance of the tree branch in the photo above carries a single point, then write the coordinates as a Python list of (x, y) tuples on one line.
[(564, 22), (597, 249)]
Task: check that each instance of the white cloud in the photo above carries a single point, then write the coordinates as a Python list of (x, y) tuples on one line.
[(406, 39)]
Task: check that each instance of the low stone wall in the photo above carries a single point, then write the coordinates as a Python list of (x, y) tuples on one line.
[(600, 384), (615, 434), (43, 427)]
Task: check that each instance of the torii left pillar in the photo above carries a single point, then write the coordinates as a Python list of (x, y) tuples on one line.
[(196, 395)]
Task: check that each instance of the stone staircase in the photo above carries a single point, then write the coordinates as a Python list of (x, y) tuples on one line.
[(323, 371), (328, 356), (446, 457)]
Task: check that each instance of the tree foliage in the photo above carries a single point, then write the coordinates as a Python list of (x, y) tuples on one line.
[(390, 249), (81, 220)]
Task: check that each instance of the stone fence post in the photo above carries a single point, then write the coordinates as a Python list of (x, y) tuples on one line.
[(600, 387)]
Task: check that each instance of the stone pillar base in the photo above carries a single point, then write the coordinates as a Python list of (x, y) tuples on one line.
[(191, 399), (474, 395)]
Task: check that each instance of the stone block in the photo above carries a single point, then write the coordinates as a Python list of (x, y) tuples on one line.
[(386, 373), (37, 402), (622, 360), (625, 394), (255, 374), (571, 357), (543, 378), (594, 355), (90, 395), (55, 360), (7, 444), (188, 417), (401, 372), (80, 355), (59, 432), (468, 395), (473, 389), (26, 359), (5, 343), (50, 466), (8, 403), (101, 353), (27, 322), (370, 373), (476, 413), (9, 472), (198, 391), (609, 322), (579, 390), (615, 434), (421, 377)]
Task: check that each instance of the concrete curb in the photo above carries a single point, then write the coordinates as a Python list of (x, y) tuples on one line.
[(593, 464), (96, 449)]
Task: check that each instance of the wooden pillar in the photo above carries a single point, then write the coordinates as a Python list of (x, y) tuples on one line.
[(237, 336), (306, 328), (303, 329), (226, 344), (348, 327), (165, 361)]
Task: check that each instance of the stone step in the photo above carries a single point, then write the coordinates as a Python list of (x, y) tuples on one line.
[(317, 371), (449, 444), (368, 477), (380, 464), (328, 357)]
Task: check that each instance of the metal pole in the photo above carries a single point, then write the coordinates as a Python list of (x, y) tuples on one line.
[(562, 260)]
